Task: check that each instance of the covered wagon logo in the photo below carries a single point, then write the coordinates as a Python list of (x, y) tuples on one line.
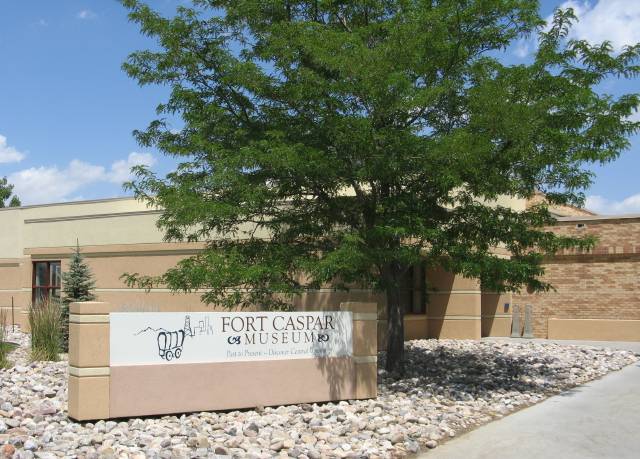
[(171, 342)]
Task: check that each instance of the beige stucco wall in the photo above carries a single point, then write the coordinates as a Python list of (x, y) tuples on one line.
[(11, 233), (517, 204), (121, 221), (99, 222), (15, 285), (25, 229), (496, 314), (75, 208), (120, 235), (112, 221)]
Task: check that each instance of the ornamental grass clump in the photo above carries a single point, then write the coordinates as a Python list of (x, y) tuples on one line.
[(46, 330), (4, 345)]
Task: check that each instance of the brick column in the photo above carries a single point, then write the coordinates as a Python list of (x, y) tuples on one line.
[(89, 360), (365, 347)]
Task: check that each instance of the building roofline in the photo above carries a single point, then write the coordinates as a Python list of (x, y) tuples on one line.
[(70, 203), (594, 217), (598, 217)]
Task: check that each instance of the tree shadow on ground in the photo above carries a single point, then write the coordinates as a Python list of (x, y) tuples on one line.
[(460, 374)]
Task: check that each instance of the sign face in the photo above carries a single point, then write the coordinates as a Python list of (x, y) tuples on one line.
[(156, 338)]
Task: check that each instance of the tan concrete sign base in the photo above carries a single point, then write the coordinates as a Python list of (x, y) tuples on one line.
[(98, 390)]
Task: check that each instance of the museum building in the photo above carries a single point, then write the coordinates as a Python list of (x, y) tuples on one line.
[(597, 294)]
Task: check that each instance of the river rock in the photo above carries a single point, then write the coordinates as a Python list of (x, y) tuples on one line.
[(450, 386)]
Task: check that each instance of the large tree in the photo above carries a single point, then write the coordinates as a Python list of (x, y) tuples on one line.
[(6, 200), (343, 142)]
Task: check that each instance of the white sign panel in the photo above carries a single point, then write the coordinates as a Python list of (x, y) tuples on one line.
[(153, 338)]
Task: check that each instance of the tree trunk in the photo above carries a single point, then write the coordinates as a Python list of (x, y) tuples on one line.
[(395, 321)]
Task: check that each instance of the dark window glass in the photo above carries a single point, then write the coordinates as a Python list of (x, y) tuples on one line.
[(412, 288), (56, 274), (41, 273), (47, 279)]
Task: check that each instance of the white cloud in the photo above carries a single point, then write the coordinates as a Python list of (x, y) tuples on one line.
[(50, 184), (613, 20), (47, 184), (121, 170), (635, 116), (9, 154), (602, 205), (86, 14)]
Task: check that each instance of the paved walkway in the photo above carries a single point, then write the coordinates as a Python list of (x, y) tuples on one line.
[(600, 419)]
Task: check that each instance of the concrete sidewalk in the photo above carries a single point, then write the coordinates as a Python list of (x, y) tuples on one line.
[(600, 419)]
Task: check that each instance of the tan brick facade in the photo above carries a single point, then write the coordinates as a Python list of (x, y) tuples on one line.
[(603, 283)]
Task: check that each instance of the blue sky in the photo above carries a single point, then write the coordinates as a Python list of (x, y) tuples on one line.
[(67, 110)]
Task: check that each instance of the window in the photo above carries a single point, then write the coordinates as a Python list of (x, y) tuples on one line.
[(47, 276), (412, 288)]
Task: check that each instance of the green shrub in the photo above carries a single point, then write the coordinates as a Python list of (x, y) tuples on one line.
[(77, 284), (4, 346), (46, 330)]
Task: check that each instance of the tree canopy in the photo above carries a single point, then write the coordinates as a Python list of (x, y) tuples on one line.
[(343, 142), (6, 200)]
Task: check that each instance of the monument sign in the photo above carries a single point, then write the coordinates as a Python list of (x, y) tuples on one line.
[(124, 364)]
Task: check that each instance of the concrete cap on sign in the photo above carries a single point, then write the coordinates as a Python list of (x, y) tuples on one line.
[(91, 307)]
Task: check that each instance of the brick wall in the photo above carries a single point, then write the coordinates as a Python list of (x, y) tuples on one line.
[(603, 283)]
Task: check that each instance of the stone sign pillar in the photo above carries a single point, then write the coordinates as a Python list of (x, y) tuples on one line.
[(365, 347), (89, 360)]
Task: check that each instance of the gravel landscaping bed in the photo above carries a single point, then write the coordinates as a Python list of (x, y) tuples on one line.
[(450, 386)]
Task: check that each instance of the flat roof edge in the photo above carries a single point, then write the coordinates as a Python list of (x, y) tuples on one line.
[(69, 203), (598, 217)]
